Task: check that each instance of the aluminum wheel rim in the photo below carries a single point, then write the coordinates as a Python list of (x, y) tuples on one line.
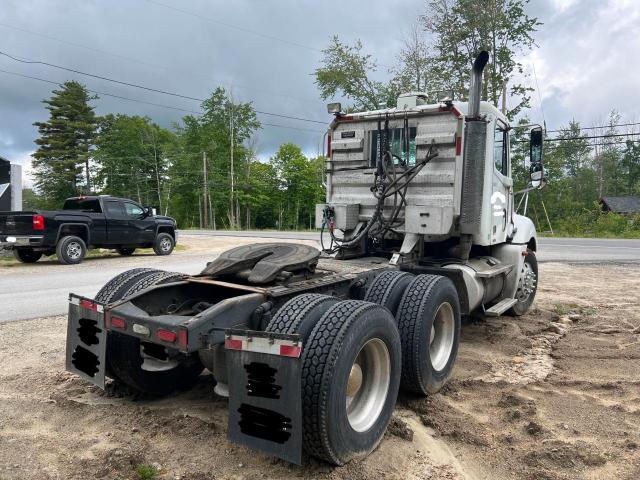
[(74, 250), (441, 340), (527, 284), (368, 385), (165, 244)]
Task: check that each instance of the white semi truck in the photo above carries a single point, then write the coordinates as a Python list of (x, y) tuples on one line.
[(418, 230)]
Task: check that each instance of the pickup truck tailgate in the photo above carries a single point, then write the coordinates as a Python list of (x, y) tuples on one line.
[(16, 223)]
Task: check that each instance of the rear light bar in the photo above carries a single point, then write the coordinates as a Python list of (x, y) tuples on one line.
[(270, 346), (38, 222)]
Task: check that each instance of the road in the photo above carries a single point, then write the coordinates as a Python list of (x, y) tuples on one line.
[(41, 290), (581, 250)]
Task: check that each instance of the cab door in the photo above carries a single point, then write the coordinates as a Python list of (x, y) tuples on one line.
[(502, 183), (141, 226), (117, 222)]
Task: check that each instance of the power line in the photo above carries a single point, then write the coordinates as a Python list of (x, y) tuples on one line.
[(143, 87), (564, 130), (151, 103), (143, 62)]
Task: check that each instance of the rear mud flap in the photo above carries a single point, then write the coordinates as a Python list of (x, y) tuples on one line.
[(86, 340), (265, 402)]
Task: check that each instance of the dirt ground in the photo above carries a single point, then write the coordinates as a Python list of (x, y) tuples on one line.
[(551, 395)]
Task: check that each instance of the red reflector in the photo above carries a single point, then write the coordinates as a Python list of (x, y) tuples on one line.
[(38, 222), (88, 305), (290, 351), (458, 145), (183, 338), (167, 335), (329, 146), (230, 344), (117, 322)]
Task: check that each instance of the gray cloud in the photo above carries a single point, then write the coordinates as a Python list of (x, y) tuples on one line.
[(583, 64)]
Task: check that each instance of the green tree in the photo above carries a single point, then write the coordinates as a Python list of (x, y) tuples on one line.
[(65, 143), (133, 155), (462, 28), (347, 71)]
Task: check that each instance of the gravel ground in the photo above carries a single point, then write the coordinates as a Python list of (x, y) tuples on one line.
[(551, 395)]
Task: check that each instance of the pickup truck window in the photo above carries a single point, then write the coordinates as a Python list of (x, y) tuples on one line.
[(133, 211), (114, 209), (88, 205)]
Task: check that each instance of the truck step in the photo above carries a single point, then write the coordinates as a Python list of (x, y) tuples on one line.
[(494, 271), (500, 307)]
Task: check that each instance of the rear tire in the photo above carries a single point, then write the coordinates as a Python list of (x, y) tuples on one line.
[(387, 289), (71, 250), (26, 255), (528, 285), (124, 351), (350, 380), (126, 252), (164, 244), (429, 325), (300, 314)]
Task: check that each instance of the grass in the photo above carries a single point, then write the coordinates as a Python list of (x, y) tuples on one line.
[(146, 472), (10, 261)]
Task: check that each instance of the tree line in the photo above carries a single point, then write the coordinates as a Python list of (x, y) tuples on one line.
[(203, 171)]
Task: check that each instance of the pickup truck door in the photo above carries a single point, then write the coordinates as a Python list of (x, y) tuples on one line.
[(141, 226), (117, 223)]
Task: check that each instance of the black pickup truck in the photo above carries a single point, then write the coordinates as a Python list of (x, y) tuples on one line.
[(86, 222)]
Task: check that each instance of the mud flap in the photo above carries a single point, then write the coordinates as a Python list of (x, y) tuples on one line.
[(86, 340), (265, 402)]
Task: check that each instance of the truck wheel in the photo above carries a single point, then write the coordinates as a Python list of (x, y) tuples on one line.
[(527, 286), (350, 380), (164, 244), (112, 291), (26, 255), (429, 324), (387, 289), (300, 314), (71, 250), (126, 252), (144, 366)]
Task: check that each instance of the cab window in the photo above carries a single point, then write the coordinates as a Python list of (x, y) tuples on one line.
[(396, 143), (501, 148), (133, 211), (114, 209)]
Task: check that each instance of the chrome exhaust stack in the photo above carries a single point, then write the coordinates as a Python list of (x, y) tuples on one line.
[(473, 161)]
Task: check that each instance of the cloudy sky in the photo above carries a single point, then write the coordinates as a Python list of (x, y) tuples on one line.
[(265, 52)]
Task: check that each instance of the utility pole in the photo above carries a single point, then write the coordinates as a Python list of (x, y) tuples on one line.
[(504, 97), (231, 198), (205, 192)]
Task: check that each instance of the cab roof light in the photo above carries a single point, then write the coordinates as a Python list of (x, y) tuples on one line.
[(334, 108)]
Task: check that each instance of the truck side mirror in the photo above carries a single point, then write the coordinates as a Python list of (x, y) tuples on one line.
[(536, 170)]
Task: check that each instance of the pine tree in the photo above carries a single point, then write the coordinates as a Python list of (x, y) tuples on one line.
[(64, 144)]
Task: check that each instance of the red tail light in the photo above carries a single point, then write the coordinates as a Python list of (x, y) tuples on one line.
[(117, 322), (183, 338), (166, 335), (38, 222)]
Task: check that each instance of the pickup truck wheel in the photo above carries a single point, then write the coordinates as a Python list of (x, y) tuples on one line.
[(387, 289), (143, 366), (429, 324), (26, 255), (527, 286), (164, 244), (71, 250), (350, 379), (126, 252)]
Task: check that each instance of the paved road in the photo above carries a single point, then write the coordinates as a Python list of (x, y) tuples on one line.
[(40, 290), (579, 250)]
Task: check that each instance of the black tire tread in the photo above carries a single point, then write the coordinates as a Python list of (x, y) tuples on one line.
[(318, 360), (108, 292), (384, 285), (157, 277), (409, 319), (292, 313)]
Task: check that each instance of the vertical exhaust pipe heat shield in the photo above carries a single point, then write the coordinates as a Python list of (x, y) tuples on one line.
[(475, 142)]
